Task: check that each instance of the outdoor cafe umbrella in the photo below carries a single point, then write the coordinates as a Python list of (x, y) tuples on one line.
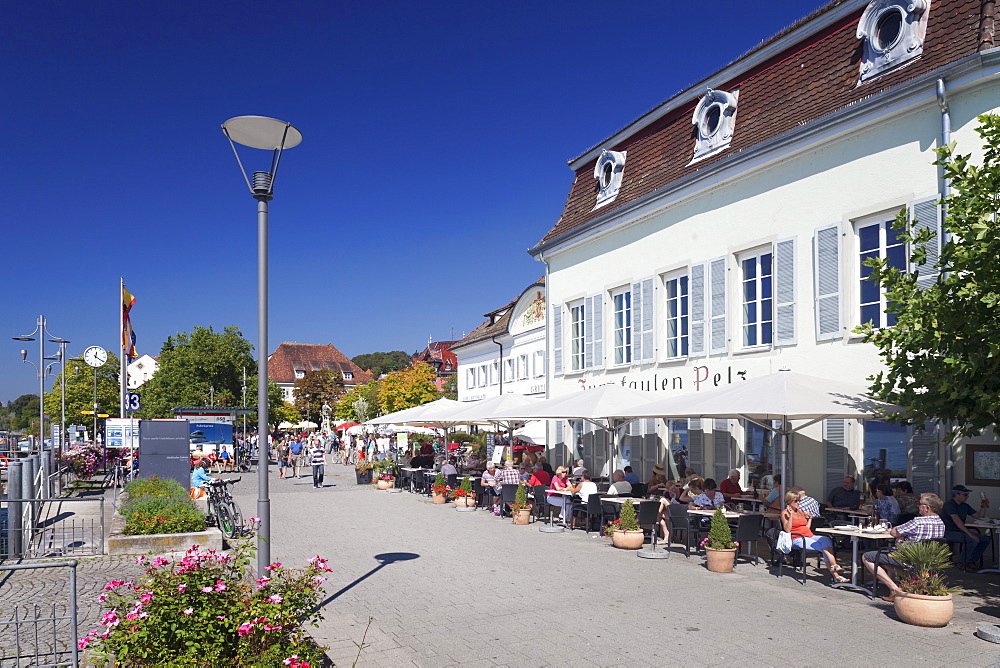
[(411, 415), (607, 407), (780, 397)]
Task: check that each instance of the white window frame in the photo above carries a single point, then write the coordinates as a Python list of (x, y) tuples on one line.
[(577, 336), (522, 366), (621, 303), (300, 373), (539, 362), (508, 370), (677, 315), (494, 372), (758, 326), (470, 378), (481, 374), (884, 221), (348, 375)]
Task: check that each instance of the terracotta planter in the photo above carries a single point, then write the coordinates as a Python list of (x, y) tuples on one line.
[(385, 484), (921, 610), (627, 540), (470, 502), (522, 516), (461, 502), (440, 498), (720, 561)]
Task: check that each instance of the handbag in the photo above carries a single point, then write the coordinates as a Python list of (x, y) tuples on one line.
[(784, 542)]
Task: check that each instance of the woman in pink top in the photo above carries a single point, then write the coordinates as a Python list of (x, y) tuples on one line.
[(561, 482)]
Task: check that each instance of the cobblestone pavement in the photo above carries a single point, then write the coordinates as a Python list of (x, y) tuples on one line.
[(448, 588)]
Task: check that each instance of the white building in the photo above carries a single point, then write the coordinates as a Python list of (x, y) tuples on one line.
[(720, 236), (140, 370), (506, 353)]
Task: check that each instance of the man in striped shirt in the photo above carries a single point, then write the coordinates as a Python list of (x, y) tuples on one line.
[(927, 526), (317, 454)]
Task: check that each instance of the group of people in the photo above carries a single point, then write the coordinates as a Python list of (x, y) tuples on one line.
[(293, 452)]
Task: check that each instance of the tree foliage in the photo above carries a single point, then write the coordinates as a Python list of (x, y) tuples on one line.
[(943, 355), (80, 391), (20, 413), (410, 387), (383, 363), (349, 408), (316, 388)]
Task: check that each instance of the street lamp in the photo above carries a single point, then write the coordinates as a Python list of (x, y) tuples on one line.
[(61, 356), (268, 134), (42, 370)]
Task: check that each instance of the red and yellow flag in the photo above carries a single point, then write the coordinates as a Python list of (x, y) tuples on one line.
[(128, 336)]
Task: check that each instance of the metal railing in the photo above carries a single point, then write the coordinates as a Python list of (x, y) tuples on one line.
[(36, 634), (25, 534)]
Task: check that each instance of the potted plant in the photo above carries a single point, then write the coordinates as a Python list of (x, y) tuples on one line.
[(625, 531), (439, 491), (521, 509), (720, 548), (464, 496), (386, 474), (925, 599), (363, 472)]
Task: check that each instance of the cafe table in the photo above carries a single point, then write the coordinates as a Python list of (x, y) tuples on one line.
[(991, 526), (855, 534), (708, 512), (755, 502), (855, 515), (552, 527)]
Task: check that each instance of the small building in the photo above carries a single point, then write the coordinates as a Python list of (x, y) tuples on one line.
[(140, 370), (442, 359), (291, 361)]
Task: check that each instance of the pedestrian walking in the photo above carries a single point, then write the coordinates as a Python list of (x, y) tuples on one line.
[(318, 460), (297, 448), (282, 453)]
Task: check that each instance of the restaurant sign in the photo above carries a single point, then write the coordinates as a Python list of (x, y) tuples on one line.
[(699, 377)]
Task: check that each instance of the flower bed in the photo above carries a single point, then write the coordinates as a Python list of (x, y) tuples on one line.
[(205, 610), (157, 506)]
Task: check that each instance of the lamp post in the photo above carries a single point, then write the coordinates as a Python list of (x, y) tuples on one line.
[(61, 356), (267, 134), (43, 370)]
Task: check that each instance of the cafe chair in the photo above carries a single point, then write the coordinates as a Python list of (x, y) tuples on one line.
[(540, 500), (647, 514), (639, 490), (452, 480), (960, 552), (508, 494), (590, 510), (680, 521), (477, 491), (798, 555), (746, 534)]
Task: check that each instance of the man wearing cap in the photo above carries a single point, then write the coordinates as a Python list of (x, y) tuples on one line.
[(926, 526), (954, 513)]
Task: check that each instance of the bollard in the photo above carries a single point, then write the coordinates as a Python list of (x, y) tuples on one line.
[(14, 525)]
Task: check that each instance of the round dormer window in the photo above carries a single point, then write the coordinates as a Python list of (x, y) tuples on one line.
[(606, 174), (888, 30), (710, 122)]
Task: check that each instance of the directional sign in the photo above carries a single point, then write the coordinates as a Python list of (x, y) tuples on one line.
[(132, 401)]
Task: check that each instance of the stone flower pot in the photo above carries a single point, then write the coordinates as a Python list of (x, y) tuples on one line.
[(439, 498), (522, 516), (720, 561), (922, 610), (627, 540), (385, 484)]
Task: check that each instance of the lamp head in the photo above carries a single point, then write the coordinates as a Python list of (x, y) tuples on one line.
[(23, 338), (262, 132), (24, 355)]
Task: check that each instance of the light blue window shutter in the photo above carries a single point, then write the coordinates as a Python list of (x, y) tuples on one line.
[(697, 310), (588, 332), (924, 459), (717, 275), (784, 292), (926, 214), (696, 445), (835, 454), (557, 335), (597, 308), (639, 306), (648, 312), (827, 260), (722, 449)]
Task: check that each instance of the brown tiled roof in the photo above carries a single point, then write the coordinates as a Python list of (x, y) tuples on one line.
[(290, 357), (810, 79), (499, 326)]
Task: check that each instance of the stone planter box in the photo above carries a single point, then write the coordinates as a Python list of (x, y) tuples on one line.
[(159, 543)]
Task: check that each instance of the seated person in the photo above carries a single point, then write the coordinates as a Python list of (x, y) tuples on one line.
[(198, 479), (560, 482), (795, 522), (845, 496), (580, 468), (954, 513), (885, 504), (491, 488), (710, 497), (631, 477), (619, 486), (539, 477), (586, 487), (693, 489), (449, 467), (658, 480), (807, 504), (731, 486), (773, 498), (545, 465), (926, 526), (473, 462), (908, 502)]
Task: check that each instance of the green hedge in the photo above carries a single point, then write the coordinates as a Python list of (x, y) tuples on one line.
[(158, 505)]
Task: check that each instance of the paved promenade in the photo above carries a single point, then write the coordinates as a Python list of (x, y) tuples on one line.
[(448, 588)]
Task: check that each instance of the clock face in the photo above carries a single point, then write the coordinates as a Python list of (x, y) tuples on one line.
[(95, 356)]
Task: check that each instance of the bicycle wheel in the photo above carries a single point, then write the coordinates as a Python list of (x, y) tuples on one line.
[(224, 521), (234, 512)]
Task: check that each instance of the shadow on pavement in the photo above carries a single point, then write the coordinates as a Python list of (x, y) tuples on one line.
[(384, 560)]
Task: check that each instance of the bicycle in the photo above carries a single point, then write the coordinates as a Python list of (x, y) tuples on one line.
[(224, 509)]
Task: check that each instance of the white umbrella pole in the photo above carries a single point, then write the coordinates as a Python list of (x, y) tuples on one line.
[(784, 461)]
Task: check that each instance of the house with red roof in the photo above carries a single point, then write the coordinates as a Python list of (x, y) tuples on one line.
[(438, 355), (291, 361)]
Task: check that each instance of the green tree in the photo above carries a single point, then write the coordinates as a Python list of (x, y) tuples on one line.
[(316, 388), (943, 355), (406, 388), (191, 363), (382, 363), (80, 391), (21, 412), (283, 412), (451, 387), (347, 407)]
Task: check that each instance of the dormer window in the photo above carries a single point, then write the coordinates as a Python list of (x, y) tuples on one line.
[(893, 34), (608, 172), (714, 119)]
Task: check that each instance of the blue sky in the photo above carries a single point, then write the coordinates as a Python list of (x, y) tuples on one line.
[(436, 137)]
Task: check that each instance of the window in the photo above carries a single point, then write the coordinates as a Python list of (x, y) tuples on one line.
[(577, 335), (622, 302), (885, 449), (522, 367), (494, 372), (348, 375), (470, 378), (758, 445), (893, 33), (678, 448), (539, 363), (676, 331), (300, 374), (877, 239), (758, 301), (714, 120), (508, 370), (608, 172)]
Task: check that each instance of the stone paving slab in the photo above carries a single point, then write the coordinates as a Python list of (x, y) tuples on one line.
[(473, 589)]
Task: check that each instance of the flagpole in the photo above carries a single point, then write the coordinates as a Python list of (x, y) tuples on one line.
[(121, 335)]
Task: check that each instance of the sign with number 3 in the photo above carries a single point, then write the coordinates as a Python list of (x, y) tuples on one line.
[(132, 401)]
